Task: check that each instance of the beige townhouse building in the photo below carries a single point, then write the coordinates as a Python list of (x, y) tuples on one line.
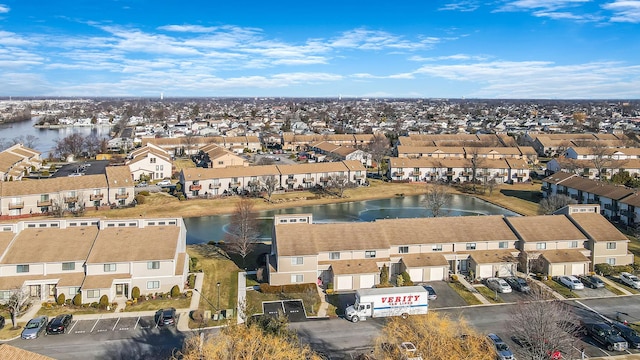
[(18, 161), (351, 255), (150, 161), (93, 257)]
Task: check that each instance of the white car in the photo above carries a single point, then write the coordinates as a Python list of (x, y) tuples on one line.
[(499, 285), (572, 282), (630, 280), (164, 182)]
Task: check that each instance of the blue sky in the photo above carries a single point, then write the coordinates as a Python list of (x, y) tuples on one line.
[(552, 49)]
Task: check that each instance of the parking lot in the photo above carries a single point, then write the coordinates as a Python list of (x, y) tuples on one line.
[(113, 324)]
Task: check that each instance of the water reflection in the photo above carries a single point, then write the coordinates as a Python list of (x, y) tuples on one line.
[(212, 228)]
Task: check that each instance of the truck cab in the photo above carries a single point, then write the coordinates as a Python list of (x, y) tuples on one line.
[(358, 311)]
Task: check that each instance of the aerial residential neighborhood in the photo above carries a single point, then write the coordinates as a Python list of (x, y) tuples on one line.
[(65, 248)]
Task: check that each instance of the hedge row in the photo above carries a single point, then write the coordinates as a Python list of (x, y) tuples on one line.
[(296, 288)]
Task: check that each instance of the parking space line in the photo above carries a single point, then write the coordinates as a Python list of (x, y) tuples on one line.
[(116, 324), (137, 321), (74, 325), (94, 325)]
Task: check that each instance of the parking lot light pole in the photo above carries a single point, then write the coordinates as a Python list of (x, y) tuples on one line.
[(218, 284), (204, 297)]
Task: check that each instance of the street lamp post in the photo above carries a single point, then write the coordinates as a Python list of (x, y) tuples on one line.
[(204, 297), (218, 284)]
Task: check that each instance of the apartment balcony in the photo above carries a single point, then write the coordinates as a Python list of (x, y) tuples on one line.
[(214, 186), (415, 173), (44, 203), (235, 184), (450, 173), (466, 173), (195, 187), (325, 178), (627, 213), (96, 197), (291, 181), (253, 183), (503, 174), (593, 201), (520, 176), (16, 205), (398, 173), (122, 196), (432, 173), (307, 180), (358, 177)]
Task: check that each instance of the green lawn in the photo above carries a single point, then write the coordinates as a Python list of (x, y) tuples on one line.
[(561, 289), (490, 295), (157, 304), (465, 294)]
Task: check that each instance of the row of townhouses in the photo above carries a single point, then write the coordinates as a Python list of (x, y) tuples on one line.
[(617, 203), (92, 257), (547, 144), (17, 161), (518, 152), (198, 182), (450, 169), (113, 188), (351, 255)]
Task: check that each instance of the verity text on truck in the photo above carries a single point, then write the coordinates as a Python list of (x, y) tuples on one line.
[(382, 302)]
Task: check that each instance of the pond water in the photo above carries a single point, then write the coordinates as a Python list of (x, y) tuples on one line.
[(212, 228)]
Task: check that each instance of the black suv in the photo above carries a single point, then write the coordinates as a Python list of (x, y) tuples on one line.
[(628, 334), (59, 324), (166, 317), (606, 335)]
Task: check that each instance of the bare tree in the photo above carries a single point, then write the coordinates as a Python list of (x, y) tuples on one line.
[(491, 185), (18, 298), (189, 141), (73, 144), (601, 158), (476, 162), (338, 184), (543, 326), (554, 202), (243, 231), (271, 183), (438, 196), (379, 148)]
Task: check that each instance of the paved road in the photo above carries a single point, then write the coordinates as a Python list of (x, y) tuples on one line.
[(138, 338)]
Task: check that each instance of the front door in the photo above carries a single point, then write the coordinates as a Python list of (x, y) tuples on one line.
[(35, 291), (119, 289)]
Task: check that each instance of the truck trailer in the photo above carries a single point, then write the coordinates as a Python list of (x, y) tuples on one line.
[(395, 301)]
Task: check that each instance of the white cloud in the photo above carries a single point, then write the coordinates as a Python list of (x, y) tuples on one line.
[(542, 79), (4, 9), (364, 39), (456, 57), (464, 6), (548, 5), (624, 11)]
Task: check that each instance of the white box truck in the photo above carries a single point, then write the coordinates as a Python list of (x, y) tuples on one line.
[(396, 301)]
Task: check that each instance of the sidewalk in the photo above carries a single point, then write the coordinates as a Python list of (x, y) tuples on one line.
[(322, 311), (472, 289), (183, 319), (615, 285)]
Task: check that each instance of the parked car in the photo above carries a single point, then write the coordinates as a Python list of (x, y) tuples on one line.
[(59, 324), (499, 285), (165, 317), (502, 349), (34, 327), (165, 182), (2, 321), (630, 280), (518, 284), (632, 337), (432, 292), (142, 184), (592, 281), (571, 282), (606, 335)]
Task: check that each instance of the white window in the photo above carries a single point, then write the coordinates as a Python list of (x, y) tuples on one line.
[(92, 294), (298, 278), (611, 245), (5, 295), (334, 255), (298, 260), (403, 250), (153, 265), (68, 266), (74, 290), (22, 268), (541, 246), (573, 244), (153, 284), (471, 246), (109, 267), (611, 261), (369, 254), (436, 247), (503, 244)]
